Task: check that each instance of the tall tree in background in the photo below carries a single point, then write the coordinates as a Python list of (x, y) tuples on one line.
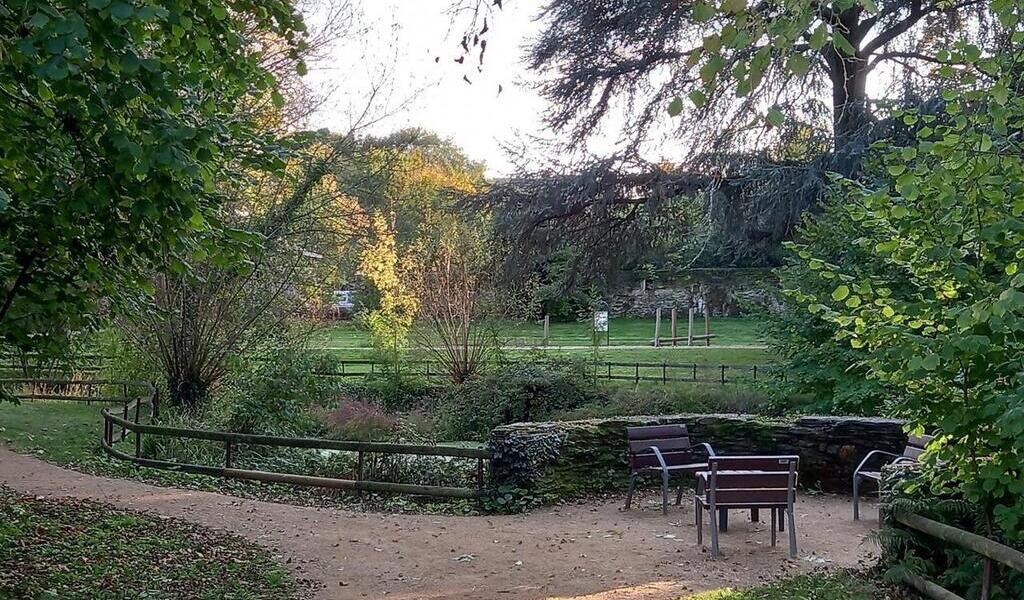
[(118, 120), (735, 60), (765, 97)]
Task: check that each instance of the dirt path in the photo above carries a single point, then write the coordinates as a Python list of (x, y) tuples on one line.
[(575, 552)]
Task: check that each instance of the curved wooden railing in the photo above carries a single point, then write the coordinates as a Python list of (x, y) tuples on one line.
[(140, 408), (990, 551)]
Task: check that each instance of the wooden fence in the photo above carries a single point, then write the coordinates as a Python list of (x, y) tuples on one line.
[(138, 411), (991, 552), (663, 372), (660, 372)]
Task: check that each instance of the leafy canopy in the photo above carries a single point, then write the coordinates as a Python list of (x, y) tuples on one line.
[(120, 122), (938, 297)]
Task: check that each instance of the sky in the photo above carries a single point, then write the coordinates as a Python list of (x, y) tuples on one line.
[(402, 39)]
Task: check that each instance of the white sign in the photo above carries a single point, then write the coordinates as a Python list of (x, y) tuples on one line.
[(601, 320)]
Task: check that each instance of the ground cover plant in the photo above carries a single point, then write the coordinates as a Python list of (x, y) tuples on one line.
[(834, 586), (67, 548)]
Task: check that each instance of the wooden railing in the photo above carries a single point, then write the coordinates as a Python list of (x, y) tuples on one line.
[(990, 551), (663, 372), (140, 407)]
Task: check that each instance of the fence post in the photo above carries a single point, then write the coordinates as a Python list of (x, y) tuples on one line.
[(156, 404), (480, 477), (609, 370), (689, 330), (723, 374), (755, 372), (986, 579), (227, 454), (124, 432), (359, 473), (674, 331), (637, 373), (547, 329), (657, 327), (664, 372), (695, 371)]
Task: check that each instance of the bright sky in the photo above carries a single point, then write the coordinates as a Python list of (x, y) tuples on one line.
[(404, 37)]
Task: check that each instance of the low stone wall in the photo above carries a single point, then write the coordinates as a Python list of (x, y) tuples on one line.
[(565, 459)]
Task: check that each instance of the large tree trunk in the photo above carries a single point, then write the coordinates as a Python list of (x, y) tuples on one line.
[(851, 119)]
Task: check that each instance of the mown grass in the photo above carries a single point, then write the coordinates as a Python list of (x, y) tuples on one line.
[(622, 332), (68, 548), (830, 586), (61, 432)]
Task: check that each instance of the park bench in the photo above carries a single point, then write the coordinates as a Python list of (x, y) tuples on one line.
[(914, 448), (747, 482), (664, 449)]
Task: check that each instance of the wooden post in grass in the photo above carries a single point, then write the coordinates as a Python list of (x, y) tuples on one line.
[(707, 325), (547, 329), (689, 329), (657, 327), (674, 327)]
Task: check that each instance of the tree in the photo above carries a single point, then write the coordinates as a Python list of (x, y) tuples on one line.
[(937, 302), (456, 296), (121, 124), (734, 60)]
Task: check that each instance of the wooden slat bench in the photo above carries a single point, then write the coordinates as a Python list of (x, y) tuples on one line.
[(747, 482), (664, 449), (914, 448)]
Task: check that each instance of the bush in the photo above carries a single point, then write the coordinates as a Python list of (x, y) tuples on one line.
[(360, 420), (518, 392), (956, 569), (667, 400), (275, 394)]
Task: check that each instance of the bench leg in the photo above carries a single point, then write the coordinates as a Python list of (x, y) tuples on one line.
[(632, 486), (699, 520), (792, 532), (856, 497), (755, 515), (664, 492), (775, 515), (782, 519), (715, 552), (723, 519)]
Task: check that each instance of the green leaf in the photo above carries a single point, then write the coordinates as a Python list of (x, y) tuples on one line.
[(819, 37), (39, 20), (734, 6), (698, 98), (840, 293), (675, 107), (121, 10), (776, 118), (703, 12), (843, 44), (798, 64)]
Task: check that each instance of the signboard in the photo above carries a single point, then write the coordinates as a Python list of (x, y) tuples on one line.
[(601, 320)]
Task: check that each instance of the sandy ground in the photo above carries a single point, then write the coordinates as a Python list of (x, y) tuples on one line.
[(573, 552)]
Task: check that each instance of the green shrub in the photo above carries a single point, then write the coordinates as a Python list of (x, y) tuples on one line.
[(275, 394), (518, 392), (670, 399), (390, 393), (956, 569)]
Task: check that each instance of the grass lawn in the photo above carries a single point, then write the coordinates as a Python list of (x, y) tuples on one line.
[(60, 432), (729, 331), (67, 548), (834, 586)]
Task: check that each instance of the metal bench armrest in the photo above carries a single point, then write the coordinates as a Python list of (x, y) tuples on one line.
[(661, 459), (872, 454), (708, 448)]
